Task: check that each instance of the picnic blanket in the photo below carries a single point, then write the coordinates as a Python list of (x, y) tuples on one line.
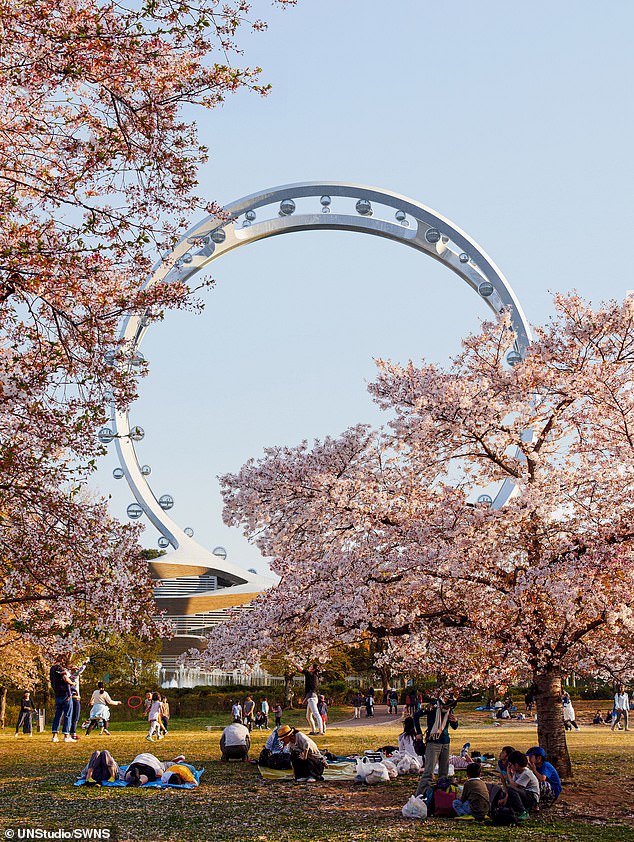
[(336, 771), (156, 784)]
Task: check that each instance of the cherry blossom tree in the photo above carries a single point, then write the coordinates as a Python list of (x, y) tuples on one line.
[(22, 665), (379, 532), (98, 168)]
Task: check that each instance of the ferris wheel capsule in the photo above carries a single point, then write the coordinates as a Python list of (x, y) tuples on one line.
[(287, 207), (105, 435), (166, 502)]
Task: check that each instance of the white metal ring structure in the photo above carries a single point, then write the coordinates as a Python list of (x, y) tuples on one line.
[(306, 206)]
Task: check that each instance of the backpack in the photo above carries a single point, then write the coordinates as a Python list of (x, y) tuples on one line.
[(443, 803), (503, 817)]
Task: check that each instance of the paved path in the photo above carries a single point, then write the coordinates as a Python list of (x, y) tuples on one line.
[(365, 721)]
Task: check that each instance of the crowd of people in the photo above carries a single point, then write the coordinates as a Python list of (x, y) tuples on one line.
[(246, 713), (526, 778)]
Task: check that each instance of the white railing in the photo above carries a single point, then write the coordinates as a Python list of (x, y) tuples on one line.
[(172, 675)]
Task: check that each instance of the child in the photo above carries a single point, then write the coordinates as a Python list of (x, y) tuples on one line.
[(153, 716), (523, 787), (165, 714), (277, 710), (474, 800), (322, 707)]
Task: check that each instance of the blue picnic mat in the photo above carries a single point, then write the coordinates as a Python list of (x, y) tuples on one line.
[(156, 784)]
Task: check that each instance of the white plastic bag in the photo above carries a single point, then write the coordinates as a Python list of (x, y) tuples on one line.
[(408, 764), (377, 775), (391, 768), (416, 808)]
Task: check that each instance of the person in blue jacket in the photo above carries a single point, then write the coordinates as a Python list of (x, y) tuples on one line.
[(543, 770)]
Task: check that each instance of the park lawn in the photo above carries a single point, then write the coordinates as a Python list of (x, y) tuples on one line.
[(234, 804)]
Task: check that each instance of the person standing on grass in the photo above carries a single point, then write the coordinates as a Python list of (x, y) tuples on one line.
[(277, 710), (265, 711), (311, 698), (99, 710), (165, 713), (621, 707), (570, 719), (24, 717), (75, 673), (61, 682), (236, 712), (248, 712), (440, 717), (154, 718)]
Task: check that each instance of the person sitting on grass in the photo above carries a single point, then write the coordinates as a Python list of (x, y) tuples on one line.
[(235, 742), (503, 762), (522, 793), (306, 759), (407, 740), (546, 774), (474, 800), (598, 718), (275, 754)]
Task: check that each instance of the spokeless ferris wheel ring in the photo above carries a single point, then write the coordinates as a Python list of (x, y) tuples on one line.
[(306, 206)]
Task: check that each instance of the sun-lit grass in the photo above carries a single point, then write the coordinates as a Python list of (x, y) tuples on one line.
[(234, 804)]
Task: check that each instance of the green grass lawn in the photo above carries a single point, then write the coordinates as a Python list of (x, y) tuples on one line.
[(234, 804)]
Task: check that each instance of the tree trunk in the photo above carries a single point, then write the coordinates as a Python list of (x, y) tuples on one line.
[(288, 691), (386, 680), (3, 705), (551, 733)]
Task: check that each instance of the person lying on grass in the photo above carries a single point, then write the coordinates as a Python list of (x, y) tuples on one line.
[(145, 768)]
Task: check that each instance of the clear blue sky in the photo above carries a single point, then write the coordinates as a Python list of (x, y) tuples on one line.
[(514, 120)]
